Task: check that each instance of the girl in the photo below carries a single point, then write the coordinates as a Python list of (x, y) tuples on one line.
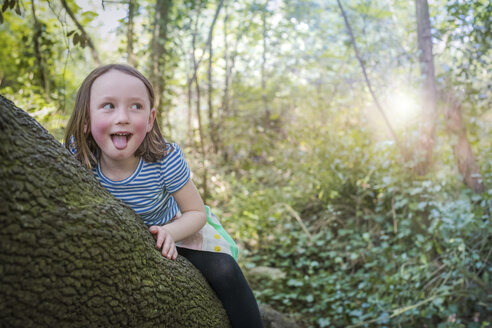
[(113, 132)]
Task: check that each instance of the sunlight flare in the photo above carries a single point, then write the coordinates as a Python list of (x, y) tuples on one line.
[(401, 107)]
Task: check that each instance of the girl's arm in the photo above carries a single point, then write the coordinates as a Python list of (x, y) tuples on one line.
[(193, 212), (193, 218)]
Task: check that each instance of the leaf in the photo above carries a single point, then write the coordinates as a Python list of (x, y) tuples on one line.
[(384, 318), (438, 301), (324, 322), (5, 5), (17, 8), (294, 283), (90, 14), (70, 33), (76, 39)]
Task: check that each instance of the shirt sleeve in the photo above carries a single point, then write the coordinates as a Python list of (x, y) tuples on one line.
[(71, 146), (175, 170)]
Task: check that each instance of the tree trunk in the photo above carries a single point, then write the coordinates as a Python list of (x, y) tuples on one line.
[(225, 97), (129, 33), (426, 59), (159, 38), (211, 117), (72, 255), (37, 52), (467, 165), (212, 120), (198, 107), (189, 92), (264, 98)]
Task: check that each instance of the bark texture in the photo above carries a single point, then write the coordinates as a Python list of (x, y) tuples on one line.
[(72, 255)]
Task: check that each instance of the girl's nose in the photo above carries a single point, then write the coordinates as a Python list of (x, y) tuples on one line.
[(122, 116)]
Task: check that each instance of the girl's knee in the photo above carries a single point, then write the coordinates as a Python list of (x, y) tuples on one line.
[(225, 268)]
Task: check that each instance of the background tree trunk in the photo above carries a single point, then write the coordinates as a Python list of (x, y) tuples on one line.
[(72, 255), (159, 38), (212, 123), (198, 106), (429, 90), (264, 98), (39, 58), (129, 33), (211, 117), (467, 165)]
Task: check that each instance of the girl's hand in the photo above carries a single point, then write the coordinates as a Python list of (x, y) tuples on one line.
[(164, 241)]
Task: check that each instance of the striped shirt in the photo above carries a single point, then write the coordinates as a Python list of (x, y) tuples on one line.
[(148, 191)]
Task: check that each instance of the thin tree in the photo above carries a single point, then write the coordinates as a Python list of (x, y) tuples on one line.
[(198, 106), (225, 97), (189, 100), (209, 38), (159, 52), (368, 82), (194, 78), (263, 64), (37, 52), (129, 34), (429, 89), (211, 117)]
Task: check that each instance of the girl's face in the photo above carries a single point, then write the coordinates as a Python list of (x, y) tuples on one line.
[(120, 115)]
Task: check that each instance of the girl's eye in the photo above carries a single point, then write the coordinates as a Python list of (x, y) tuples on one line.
[(136, 106), (108, 106)]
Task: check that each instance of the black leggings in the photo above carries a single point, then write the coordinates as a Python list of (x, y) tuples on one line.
[(227, 280)]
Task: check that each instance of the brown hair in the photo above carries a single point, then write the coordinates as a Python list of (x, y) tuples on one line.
[(153, 147)]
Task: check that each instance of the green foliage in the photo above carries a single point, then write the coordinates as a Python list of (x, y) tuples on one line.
[(382, 248), (42, 83)]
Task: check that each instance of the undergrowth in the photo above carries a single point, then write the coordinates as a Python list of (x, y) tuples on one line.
[(339, 232)]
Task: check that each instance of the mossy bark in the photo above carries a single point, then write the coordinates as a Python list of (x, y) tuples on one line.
[(72, 255)]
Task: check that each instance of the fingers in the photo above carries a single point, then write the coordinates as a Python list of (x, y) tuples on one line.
[(154, 230), (159, 235), (173, 255), (164, 242), (168, 246)]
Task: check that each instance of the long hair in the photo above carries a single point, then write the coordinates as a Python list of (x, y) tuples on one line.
[(79, 137)]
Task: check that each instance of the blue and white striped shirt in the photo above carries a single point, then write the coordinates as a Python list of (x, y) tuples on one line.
[(148, 191)]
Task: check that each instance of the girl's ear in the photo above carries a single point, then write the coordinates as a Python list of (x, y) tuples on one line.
[(151, 120)]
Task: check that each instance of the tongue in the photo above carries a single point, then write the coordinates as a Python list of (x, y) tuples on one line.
[(119, 141)]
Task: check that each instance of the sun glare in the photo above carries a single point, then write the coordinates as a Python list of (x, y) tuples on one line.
[(402, 108)]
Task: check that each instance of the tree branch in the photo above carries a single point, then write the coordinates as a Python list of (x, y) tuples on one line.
[(82, 30), (368, 82), (209, 39)]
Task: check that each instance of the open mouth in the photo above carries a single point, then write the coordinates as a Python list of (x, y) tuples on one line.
[(120, 139)]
